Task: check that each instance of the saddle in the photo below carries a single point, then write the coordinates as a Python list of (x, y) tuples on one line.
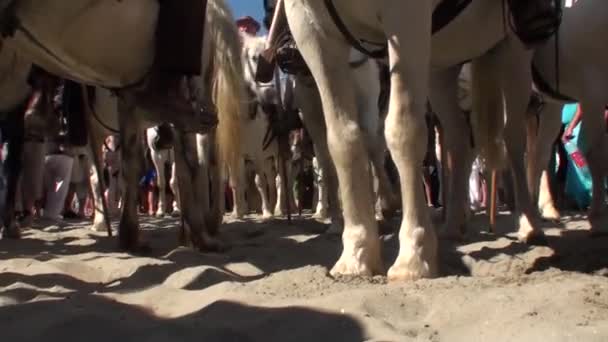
[(535, 21)]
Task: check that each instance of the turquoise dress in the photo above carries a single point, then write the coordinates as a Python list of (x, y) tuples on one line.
[(578, 178)]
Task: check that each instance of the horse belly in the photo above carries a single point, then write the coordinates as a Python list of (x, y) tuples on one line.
[(106, 43), (478, 29)]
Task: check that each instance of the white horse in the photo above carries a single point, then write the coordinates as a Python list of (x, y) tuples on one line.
[(582, 76), (412, 52), (265, 161)]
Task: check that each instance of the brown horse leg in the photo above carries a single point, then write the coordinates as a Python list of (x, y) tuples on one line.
[(131, 150)]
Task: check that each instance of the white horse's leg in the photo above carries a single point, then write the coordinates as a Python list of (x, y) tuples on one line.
[(270, 172), (328, 61), (321, 207), (367, 82), (309, 101), (538, 162), (457, 144), (285, 191), (278, 208), (159, 159), (238, 185), (261, 184), (594, 147), (95, 155), (406, 133), (175, 189)]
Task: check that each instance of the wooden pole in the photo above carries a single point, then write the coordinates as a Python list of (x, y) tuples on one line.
[(493, 202)]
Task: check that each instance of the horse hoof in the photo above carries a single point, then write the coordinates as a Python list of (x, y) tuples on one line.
[(452, 235), (99, 227), (213, 245), (176, 213), (535, 238), (13, 233)]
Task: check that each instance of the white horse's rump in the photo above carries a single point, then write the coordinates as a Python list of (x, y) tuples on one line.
[(73, 39)]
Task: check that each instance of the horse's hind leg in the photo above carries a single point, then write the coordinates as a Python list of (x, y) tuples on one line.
[(131, 152), (538, 161), (457, 136), (516, 78), (308, 100), (175, 190), (159, 158), (186, 162)]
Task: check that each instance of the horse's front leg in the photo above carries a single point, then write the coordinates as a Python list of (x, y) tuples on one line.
[(308, 100), (406, 133), (593, 143), (131, 154), (328, 61)]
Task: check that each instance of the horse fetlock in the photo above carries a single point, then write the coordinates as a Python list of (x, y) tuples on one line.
[(360, 256), (99, 226), (549, 212), (598, 221), (12, 231), (530, 233), (417, 255)]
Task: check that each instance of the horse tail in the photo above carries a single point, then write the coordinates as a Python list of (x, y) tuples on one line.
[(487, 115), (228, 86)]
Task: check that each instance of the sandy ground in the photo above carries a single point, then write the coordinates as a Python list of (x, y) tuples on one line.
[(69, 284)]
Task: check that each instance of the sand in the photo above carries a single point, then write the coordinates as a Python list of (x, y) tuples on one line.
[(70, 284)]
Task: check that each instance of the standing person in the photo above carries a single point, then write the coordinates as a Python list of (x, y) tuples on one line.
[(57, 176), (248, 25), (38, 123)]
